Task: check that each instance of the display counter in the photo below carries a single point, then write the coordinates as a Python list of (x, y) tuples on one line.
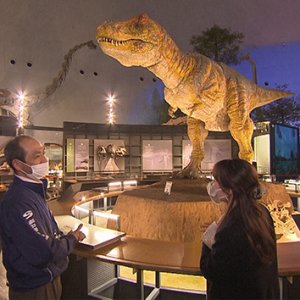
[(142, 254), (169, 256), (157, 255), (174, 257)]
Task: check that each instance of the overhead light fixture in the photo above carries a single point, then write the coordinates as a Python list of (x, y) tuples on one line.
[(111, 113)]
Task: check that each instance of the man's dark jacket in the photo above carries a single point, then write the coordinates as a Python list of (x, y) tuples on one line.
[(34, 251)]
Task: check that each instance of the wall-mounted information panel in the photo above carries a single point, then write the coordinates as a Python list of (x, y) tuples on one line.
[(134, 150)]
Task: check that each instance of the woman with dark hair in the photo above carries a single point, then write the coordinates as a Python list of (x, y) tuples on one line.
[(239, 258)]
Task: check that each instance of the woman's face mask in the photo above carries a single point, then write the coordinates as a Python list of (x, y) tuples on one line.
[(215, 193)]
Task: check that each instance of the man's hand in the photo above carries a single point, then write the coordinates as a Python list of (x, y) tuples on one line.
[(79, 235)]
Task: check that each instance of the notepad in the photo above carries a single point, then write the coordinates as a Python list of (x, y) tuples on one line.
[(96, 236)]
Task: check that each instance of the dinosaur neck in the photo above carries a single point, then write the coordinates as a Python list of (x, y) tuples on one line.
[(173, 66)]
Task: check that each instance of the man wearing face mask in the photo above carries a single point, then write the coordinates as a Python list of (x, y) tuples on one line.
[(35, 252)]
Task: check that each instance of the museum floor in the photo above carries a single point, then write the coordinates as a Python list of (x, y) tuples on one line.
[(172, 281), (168, 280)]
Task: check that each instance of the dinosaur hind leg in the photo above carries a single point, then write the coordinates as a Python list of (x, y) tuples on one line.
[(242, 133), (197, 135)]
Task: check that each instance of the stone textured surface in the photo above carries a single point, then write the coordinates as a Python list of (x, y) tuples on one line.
[(181, 216)]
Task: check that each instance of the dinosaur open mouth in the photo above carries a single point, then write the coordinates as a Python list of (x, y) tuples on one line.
[(116, 42)]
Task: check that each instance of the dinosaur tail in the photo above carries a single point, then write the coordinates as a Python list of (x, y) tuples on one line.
[(265, 96), (58, 80)]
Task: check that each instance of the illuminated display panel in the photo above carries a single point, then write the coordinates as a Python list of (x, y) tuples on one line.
[(262, 153), (157, 155), (285, 150)]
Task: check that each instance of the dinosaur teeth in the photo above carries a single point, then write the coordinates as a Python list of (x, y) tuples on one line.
[(107, 40), (111, 41)]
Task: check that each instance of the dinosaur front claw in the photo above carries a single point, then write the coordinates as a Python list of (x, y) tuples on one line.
[(171, 112)]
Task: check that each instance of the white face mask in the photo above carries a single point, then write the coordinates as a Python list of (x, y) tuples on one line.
[(38, 171), (215, 193)]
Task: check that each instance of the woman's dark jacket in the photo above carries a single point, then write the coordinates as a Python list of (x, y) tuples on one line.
[(232, 268)]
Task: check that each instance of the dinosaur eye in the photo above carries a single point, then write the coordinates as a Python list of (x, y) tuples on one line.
[(138, 26)]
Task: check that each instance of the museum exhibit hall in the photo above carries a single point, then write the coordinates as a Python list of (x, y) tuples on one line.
[(116, 119)]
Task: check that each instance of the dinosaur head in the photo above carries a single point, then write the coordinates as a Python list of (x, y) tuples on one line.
[(133, 42)]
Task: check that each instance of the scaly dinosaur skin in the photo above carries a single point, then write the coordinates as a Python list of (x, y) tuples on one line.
[(212, 95)]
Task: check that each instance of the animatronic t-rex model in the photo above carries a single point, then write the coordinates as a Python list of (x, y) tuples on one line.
[(212, 95)]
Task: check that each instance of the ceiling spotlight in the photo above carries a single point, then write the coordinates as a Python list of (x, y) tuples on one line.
[(12, 61), (111, 117), (81, 72), (141, 78), (29, 64), (95, 73), (21, 104)]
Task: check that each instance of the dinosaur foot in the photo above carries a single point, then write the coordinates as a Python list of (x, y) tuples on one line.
[(248, 156), (191, 171)]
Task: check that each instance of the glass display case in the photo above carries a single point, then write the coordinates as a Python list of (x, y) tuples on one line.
[(276, 148)]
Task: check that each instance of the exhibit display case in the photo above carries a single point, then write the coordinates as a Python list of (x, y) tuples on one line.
[(134, 151), (292, 185), (276, 148)]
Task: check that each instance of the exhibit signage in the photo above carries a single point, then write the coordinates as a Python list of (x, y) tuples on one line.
[(81, 155), (157, 155)]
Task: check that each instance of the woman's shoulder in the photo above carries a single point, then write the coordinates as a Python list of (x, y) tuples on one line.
[(231, 228), (264, 210)]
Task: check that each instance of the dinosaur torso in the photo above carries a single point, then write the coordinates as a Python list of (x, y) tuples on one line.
[(202, 94)]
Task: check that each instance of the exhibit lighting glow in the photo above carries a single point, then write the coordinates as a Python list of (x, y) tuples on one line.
[(115, 184), (130, 182), (106, 215), (21, 98), (111, 114), (81, 209)]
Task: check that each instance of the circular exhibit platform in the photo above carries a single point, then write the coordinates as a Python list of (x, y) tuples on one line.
[(181, 216)]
